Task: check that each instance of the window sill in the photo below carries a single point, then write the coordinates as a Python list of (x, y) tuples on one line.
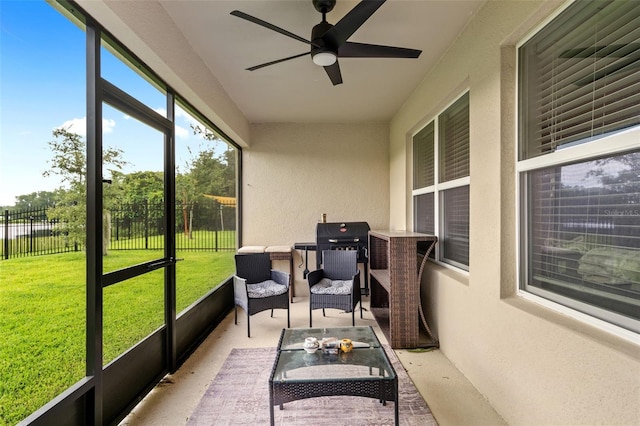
[(456, 274)]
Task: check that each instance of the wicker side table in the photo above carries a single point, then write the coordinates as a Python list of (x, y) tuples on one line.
[(395, 284)]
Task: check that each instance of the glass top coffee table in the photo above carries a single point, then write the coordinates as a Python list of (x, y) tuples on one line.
[(364, 371)]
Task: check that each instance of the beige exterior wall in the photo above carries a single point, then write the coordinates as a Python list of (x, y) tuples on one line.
[(535, 365), (292, 173)]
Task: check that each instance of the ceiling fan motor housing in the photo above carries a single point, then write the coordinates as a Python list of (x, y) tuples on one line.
[(324, 6), (318, 39)]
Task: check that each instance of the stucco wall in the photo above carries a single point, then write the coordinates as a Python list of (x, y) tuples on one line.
[(535, 365), (292, 173)]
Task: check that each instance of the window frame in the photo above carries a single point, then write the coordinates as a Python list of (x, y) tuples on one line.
[(608, 145), (438, 188)]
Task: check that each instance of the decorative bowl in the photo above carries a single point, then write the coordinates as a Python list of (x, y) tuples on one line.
[(346, 345), (311, 345)]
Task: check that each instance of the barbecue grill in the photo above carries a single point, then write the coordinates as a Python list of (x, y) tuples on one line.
[(345, 236)]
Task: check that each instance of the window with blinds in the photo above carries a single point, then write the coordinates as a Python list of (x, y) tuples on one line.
[(579, 86), (441, 206), (584, 222), (580, 76)]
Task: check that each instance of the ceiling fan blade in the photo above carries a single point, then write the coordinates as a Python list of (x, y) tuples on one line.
[(277, 61), (333, 71), (353, 20), (362, 50), (271, 27)]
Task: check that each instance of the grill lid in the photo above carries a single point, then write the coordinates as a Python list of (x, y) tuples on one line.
[(342, 232)]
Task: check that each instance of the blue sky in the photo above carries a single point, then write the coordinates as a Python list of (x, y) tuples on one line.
[(42, 87)]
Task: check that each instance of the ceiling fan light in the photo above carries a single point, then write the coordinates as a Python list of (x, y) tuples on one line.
[(324, 59)]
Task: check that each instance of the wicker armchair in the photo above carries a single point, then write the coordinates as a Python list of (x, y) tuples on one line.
[(256, 287), (336, 285)]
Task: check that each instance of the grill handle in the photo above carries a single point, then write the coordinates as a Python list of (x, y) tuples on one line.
[(336, 241)]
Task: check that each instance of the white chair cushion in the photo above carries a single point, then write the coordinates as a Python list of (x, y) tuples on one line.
[(327, 286), (265, 289), (278, 249), (251, 249)]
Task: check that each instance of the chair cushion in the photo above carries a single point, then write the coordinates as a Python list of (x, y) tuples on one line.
[(251, 249), (327, 286), (278, 249), (265, 289)]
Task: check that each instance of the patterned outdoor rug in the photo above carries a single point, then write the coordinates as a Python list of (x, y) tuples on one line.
[(239, 395)]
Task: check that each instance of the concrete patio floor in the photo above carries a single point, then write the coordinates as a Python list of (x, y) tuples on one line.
[(450, 396)]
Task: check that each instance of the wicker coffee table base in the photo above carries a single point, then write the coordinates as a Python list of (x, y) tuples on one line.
[(383, 390)]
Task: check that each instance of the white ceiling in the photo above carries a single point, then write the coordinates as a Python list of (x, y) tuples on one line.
[(297, 90)]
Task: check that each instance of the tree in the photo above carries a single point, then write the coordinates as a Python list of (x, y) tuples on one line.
[(35, 200), (139, 197), (69, 162), (140, 187), (186, 194), (214, 174), (205, 173)]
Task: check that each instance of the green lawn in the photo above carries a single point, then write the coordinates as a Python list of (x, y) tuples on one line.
[(42, 317)]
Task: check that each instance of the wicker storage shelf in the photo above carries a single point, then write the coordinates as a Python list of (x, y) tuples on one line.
[(395, 284), (382, 278)]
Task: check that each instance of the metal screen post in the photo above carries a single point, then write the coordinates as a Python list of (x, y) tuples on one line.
[(6, 234), (146, 224), (30, 234)]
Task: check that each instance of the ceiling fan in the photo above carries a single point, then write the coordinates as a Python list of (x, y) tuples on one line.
[(329, 42)]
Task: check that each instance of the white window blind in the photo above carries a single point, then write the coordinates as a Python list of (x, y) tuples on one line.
[(424, 208), (453, 140), (584, 227), (580, 76), (423, 156), (456, 225)]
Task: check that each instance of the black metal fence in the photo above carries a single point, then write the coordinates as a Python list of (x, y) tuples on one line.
[(208, 225)]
